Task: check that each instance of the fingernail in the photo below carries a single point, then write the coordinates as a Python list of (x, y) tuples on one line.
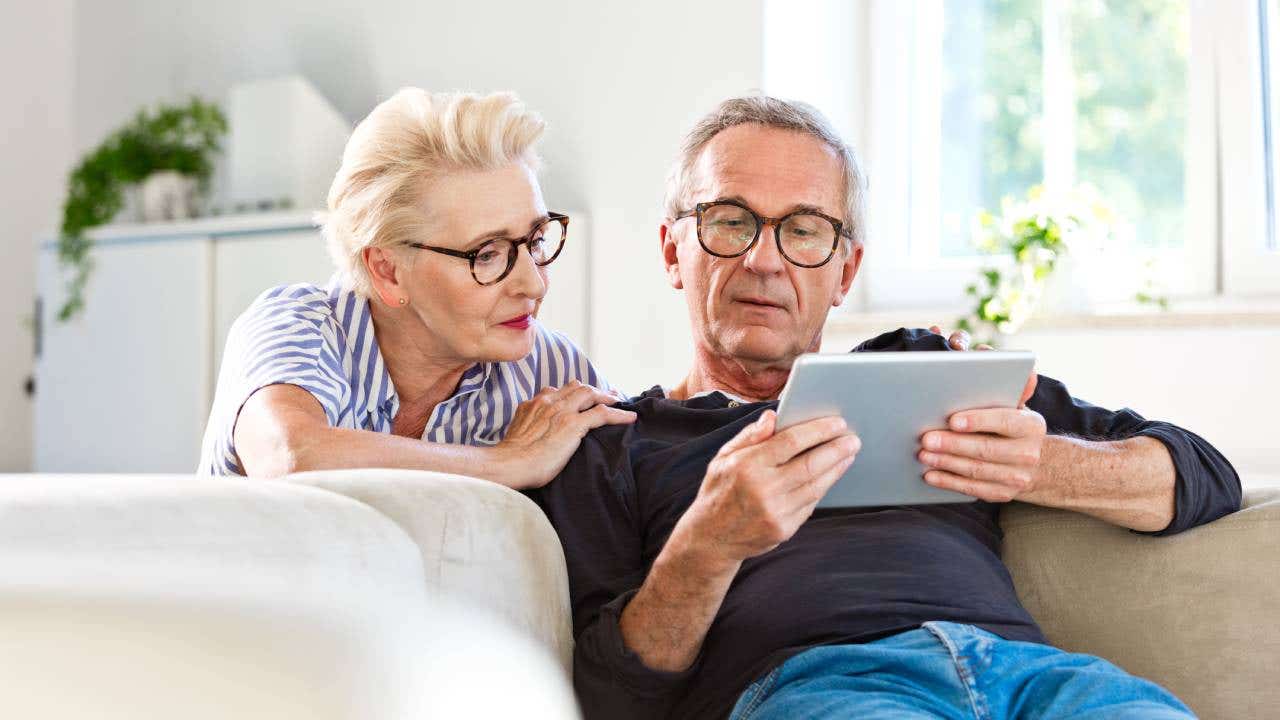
[(928, 458), (933, 442), (960, 422)]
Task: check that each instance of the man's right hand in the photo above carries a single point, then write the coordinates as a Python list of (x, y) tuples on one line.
[(762, 485)]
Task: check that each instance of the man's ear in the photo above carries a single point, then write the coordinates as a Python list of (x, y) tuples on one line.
[(670, 255), (848, 271), (381, 265)]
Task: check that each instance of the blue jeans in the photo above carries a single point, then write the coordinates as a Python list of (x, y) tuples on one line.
[(948, 670)]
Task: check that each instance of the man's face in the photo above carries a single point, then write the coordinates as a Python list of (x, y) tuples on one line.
[(758, 308)]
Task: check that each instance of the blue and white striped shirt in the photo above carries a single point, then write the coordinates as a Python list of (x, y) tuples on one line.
[(322, 340)]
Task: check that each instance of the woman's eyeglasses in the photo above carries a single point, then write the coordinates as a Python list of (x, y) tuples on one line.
[(493, 261)]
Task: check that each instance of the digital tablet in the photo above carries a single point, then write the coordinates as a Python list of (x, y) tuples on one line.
[(890, 399)]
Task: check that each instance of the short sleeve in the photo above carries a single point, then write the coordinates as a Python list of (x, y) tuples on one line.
[(287, 337), (560, 361)]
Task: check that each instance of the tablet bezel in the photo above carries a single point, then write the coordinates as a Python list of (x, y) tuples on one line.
[(923, 389)]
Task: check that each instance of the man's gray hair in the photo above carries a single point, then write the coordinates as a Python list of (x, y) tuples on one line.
[(775, 113)]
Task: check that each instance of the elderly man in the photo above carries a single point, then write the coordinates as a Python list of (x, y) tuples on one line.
[(703, 582)]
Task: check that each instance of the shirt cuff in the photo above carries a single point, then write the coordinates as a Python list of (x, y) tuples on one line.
[(1183, 500)]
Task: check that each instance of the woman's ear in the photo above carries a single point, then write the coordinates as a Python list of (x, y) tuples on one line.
[(670, 250), (382, 267)]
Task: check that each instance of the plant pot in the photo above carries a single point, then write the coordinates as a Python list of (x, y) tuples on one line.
[(167, 195), (1087, 279)]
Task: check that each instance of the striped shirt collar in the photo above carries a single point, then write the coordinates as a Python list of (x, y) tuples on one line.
[(386, 400)]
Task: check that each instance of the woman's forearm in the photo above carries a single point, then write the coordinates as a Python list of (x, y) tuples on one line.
[(282, 429), (333, 448)]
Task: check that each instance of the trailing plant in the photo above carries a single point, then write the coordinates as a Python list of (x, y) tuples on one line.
[(183, 138)]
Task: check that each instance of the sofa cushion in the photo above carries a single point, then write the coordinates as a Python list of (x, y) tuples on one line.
[(1195, 612)]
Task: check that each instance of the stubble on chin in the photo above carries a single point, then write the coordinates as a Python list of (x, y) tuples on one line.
[(752, 344)]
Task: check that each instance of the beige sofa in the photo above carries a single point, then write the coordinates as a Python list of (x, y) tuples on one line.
[(384, 594), (1199, 612)]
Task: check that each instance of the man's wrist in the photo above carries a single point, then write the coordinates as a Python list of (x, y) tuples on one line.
[(690, 547)]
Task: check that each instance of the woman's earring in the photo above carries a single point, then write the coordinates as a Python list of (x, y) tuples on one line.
[(404, 301)]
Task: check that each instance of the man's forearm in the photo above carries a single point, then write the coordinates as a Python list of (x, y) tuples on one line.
[(1125, 482), (667, 620)]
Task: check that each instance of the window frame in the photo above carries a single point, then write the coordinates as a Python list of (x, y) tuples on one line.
[(1226, 202), (1250, 262)]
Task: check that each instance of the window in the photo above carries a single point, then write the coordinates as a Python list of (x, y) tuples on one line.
[(1156, 103), (1247, 94), (1009, 94)]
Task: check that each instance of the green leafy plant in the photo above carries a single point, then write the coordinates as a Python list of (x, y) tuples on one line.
[(183, 138), (1035, 234)]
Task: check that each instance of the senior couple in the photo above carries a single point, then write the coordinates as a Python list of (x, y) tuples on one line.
[(703, 582)]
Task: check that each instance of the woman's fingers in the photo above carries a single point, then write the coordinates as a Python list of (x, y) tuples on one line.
[(575, 408), (605, 415), (580, 397)]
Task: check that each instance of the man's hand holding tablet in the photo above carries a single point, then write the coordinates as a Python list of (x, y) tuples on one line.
[(957, 419), (991, 454)]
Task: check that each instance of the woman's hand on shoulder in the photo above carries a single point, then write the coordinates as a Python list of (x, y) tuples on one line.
[(547, 428)]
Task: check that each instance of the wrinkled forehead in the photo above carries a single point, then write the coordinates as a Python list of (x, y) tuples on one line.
[(773, 170)]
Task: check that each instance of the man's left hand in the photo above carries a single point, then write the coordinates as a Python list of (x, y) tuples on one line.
[(991, 454), (958, 340)]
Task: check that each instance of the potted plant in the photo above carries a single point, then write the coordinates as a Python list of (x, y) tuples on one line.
[(168, 152), (1034, 237)]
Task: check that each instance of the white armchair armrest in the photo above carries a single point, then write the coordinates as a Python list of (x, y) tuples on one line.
[(483, 545)]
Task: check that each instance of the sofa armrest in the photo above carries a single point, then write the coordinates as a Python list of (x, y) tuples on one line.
[(153, 596), (483, 545), (1195, 612)]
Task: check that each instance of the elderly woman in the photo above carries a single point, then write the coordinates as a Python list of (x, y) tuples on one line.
[(424, 351)]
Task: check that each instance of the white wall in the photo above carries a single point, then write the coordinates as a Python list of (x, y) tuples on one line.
[(617, 82), (35, 153)]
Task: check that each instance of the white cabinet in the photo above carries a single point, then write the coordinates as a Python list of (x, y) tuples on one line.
[(121, 387), (245, 265), (126, 386)]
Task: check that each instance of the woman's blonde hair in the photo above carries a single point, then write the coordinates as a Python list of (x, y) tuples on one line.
[(414, 136)]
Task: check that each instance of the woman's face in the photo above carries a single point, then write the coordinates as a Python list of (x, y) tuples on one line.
[(467, 320)]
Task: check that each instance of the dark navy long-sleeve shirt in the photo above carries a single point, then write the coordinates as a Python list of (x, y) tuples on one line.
[(848, 575)]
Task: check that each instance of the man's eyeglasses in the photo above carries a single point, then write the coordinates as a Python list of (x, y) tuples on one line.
[(493, 261), (728, 229)]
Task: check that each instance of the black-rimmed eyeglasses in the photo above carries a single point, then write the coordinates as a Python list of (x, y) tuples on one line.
[(493, 261), (728, 229)]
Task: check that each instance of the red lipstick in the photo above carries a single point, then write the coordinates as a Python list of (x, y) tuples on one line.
[(520, 322)]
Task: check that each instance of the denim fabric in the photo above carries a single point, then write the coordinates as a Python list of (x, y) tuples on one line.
[(949, 670)]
